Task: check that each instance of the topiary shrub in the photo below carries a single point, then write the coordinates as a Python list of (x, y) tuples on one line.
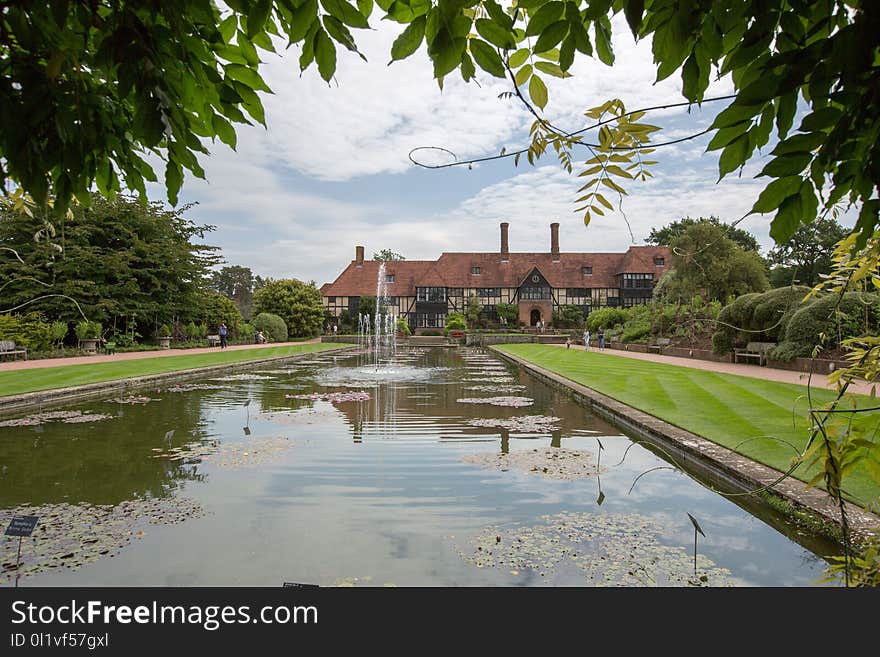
[(272, 326), (722, 342), (606, 318), (774, 309), (454, 322), (636, 331)]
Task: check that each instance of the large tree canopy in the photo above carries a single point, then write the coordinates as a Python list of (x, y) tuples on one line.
[(666, 235), (88, 88), (808, 255)]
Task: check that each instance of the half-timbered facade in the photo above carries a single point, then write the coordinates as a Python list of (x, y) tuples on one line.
[(425, 291)]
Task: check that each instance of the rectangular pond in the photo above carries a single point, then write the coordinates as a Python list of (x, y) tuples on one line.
[(444, 468)]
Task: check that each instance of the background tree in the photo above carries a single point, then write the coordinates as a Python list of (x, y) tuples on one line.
[(211, 308), (236, 283), (472, 311), (707, 263), (387, 255), (298, 304), (509, 312), (808, 254), (121, 261), (667, 234)]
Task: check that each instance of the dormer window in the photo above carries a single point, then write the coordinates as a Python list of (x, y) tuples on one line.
[(389, 278), (587, 271), (475, 270), (660, 262)]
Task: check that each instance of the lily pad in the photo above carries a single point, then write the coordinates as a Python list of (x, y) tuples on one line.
[(515, 402), (552, 462), (68, 417), (520, 423)]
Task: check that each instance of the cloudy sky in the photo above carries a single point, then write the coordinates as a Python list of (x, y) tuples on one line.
[(332, 169)]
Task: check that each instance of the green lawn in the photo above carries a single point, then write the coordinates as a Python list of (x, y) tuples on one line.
[(724, 408), (20, 381)]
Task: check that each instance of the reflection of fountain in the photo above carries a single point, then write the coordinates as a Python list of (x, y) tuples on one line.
[(378, 343)]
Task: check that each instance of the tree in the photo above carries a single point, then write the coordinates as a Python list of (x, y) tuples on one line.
[(807, 255), (387, 255), (236, 283), (707, 263), (568, 316), (472, 311), (113, 260), (88, 88), (211, 308), (507, 312), (298, 304), (666, 235)]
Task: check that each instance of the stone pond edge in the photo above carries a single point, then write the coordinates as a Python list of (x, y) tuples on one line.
[(11, 403), (698, 453)]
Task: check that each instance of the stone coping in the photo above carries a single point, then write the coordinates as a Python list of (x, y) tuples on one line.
[(689, 449), (44, 398)]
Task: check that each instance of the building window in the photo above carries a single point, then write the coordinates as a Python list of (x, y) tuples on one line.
[(454, 292), (488, 291), (660, 261), (577, 292), (534, 293), (475, 270), (389, 278), (587, 271), (638, 281), (430, 320), (331, 299), (432, 294)]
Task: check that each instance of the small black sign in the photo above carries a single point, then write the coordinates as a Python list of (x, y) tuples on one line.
[(22, 525), (297, 585)]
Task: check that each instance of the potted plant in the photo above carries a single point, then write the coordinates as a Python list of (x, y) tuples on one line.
[(88, 334), (164, 337)]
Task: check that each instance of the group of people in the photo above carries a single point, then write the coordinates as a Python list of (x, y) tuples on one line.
[(600, 336), (223, 332)]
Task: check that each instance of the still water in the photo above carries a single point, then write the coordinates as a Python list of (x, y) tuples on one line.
[(260, 486)]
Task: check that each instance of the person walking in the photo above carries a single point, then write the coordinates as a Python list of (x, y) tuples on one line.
[(586, 338), (222, 331), (601, 335)]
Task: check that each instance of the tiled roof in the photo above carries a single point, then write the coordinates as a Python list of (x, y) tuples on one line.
[(454, 270)]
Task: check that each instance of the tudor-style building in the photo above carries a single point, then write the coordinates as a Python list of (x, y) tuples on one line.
[(539, 283)]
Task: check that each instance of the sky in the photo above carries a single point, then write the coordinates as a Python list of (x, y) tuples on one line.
[(331, 169)]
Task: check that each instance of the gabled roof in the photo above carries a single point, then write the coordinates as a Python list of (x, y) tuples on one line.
[(454, 270)]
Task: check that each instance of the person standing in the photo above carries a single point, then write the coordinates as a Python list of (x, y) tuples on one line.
[(586, 338), (601, 335), (222, 331)]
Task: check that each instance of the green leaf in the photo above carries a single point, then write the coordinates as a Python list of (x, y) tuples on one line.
[(447, 55), (821, 120), (566, 52), (786, 165), (304, 18), (224, 130), (173, 180), (325, 55), (519, 58), (409, 40), (734, 114), (690, 78), (726, 135), (786, 106), (787, 219), (633, 10), (551, 69), (346, 13), (538, 91), (802, 143), (486, 58), (365, 7), (339, 32), (495, 34), (544, 17), (227, 28), (776, 192), (734, 155), (467, 67), (602, 28), (581, 39), (246, 76), (257, 16), (552, 35), (522, 75), (247, 49), (809, 202)]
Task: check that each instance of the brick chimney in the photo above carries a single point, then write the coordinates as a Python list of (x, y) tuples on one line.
[(505, 250), (554, 241), (359, 256)]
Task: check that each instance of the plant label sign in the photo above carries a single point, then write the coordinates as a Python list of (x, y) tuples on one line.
[(22, 525)]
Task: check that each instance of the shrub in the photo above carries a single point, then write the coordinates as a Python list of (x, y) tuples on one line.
[(164, 331), (606, 318), (298, 304), (636, 331), (403, 326), (272, 326), (27, 330), (191, 331), (86, 330), (432, 332), (722, 342), (455, 322), (246, 330), (58, 331), (774, 309), (836, 318)]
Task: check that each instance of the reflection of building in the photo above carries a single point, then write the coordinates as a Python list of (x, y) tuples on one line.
[(539, 283)]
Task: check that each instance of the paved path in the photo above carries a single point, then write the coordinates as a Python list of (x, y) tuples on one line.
[(7, 366), (754, 371)]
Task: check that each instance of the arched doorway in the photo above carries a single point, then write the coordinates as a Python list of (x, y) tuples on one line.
[(535, 317)]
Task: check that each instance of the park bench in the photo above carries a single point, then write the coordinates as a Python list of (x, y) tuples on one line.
[(659, 345), (213, 340), (754, 350), (8, 347)]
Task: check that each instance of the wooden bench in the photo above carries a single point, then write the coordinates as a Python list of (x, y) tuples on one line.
[(8, 347), (659, 345), (754, 350), (213, 340)]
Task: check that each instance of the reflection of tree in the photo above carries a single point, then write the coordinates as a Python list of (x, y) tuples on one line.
[(103, 462)]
